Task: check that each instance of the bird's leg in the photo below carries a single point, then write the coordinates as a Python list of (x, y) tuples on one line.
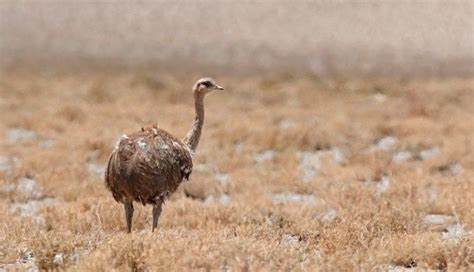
[(156, 214), (128, 215)]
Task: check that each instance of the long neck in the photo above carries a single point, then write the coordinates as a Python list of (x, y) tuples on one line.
[(193, 135)]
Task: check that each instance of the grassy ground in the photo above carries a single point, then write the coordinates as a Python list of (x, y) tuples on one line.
[(292, 173)]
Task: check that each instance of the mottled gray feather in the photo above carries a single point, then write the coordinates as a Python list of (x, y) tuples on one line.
[(147, 166)]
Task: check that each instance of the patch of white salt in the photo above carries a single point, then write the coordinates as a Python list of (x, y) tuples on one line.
[(385, 143), (265, 155), (329, 215), (96, 168), (429, 153), (29, 187), (381, 185), (290, 238), (338, 155), (47, 143), (379, 97), (7, 163), (438, 219), (222, 178), (294, 197), (398, 268), (309, 163), (31, 207), (25, 187), (28, 258), (20, 134), (286, 123), (223, 199), (455, 168), (452, 228), (402, 156), (454, 231)]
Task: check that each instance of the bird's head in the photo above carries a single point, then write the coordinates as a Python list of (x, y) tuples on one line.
[(205, 86)]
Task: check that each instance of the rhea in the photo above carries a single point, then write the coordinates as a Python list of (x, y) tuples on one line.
[(148, 165)]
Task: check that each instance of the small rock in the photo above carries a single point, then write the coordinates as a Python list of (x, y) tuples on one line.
[(265, 155), (20, 134)]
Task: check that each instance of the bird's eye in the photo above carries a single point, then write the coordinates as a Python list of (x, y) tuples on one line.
[(207, 84)]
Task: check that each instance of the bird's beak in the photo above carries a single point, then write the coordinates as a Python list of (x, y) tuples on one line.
[(219, 88)]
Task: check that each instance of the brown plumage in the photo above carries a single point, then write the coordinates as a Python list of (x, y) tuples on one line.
[(148, 165)]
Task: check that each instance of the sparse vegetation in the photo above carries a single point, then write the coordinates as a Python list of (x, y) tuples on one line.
[(293, 173)]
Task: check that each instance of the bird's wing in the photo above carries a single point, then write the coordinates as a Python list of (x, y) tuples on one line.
[(147, 165), (154, 155)]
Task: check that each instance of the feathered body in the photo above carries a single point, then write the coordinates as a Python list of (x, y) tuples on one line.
[(147, 166)]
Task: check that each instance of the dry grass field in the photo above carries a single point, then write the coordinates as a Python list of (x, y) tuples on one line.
[(292, 173)]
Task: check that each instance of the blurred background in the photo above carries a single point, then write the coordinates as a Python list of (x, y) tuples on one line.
[(344, 139), (424, 37)]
